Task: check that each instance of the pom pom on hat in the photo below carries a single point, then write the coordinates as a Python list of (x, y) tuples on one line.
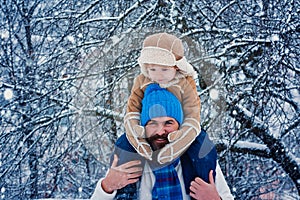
[(159, 102)]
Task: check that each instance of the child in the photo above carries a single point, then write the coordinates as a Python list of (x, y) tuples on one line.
[(162, 61)]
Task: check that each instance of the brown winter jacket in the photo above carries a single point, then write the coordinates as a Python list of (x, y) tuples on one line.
[(183, 88)]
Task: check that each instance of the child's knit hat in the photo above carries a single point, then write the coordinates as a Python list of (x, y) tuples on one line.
[(164, 49), (159, 102)]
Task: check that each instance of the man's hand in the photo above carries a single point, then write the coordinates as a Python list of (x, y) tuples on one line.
[(201, 190), (120, 176)]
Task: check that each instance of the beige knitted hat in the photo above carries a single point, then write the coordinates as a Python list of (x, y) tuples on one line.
[(164, 49)]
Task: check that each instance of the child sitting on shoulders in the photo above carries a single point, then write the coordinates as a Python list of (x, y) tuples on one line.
[(162, 61)]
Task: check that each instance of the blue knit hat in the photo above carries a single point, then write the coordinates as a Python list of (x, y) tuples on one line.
[(159, 102)]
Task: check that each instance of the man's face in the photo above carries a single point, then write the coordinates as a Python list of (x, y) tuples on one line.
[(158, 129)]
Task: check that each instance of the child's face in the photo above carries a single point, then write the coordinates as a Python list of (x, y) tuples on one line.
[(161, 74)]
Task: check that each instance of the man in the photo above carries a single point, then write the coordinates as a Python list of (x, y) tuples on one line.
[(196, 175)]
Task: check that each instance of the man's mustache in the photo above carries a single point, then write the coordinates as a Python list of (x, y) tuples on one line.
[(156, 136)]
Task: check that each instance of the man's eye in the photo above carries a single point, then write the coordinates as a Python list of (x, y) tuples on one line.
[(165, 69), (168, 123), (152, 124), (152, 70)]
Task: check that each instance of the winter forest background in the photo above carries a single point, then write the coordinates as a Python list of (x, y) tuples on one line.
[(67, 68)]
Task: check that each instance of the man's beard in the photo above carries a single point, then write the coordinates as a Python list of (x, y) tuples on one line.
[(158, 141)]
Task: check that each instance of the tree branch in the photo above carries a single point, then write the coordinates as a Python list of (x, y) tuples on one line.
[(276, 148)]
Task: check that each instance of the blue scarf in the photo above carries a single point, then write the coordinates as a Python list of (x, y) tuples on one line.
[(167, 185)]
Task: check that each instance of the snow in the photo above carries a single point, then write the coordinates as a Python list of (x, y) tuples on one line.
[(46, 56), (71, 39), (4, 34), (275, 38), (8, 94), (234, 112), (108, 112), (173, 13), (214, 94), (251, 145), (115, 39)]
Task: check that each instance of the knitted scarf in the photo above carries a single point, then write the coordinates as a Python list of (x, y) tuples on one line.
[(167, 185)]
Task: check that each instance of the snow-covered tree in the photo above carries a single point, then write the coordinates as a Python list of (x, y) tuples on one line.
[(67, 68)]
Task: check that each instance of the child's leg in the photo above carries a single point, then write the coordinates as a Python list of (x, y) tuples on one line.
[(179, 141), (136, 135)]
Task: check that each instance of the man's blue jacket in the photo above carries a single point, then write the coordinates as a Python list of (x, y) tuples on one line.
[(197, 161)]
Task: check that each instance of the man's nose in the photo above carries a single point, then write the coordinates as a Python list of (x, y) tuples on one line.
[(161, 129)]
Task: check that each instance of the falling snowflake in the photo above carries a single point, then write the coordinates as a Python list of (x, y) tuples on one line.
[(8, 94), (214, 94)]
